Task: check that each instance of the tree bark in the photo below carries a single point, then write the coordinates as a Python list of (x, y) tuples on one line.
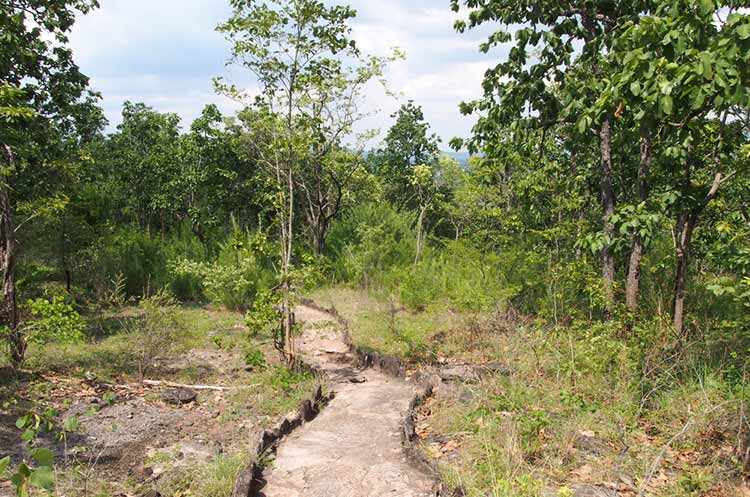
[(633, 284), (420, 222), (287, 304), (686, 223), (608, 205), (684, 233), (8, 248)]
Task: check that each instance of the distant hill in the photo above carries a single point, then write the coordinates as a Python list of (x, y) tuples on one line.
[(462, 157)]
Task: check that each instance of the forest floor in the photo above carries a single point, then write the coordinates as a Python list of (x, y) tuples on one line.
[(125, 438), (551, 419), (564, 414)]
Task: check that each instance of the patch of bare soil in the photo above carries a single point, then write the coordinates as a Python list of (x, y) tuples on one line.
[(125, 429)]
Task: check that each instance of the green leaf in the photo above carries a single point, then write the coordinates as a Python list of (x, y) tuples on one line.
[(4, 463), (743, 31), (666, 104), (43, 477), (23, 470), (707, 7), (71, 423), (699, 99), (21, 422), (43, 456), (28, 435), (635, 88)]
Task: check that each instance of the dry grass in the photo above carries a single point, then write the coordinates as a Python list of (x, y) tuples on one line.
[(571, 412)]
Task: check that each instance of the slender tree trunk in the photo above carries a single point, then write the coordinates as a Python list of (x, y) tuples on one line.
[(684, 234), (320, 242), (318, 229), (608, 205), (420, 221), (634, 267), (686, 223), (8, 248), (287, 304)]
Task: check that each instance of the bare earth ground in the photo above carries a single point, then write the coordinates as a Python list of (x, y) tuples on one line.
[(134, 439), (353, 448), (129, 440)]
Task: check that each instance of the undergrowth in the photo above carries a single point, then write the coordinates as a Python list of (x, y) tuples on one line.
[(578, 405)]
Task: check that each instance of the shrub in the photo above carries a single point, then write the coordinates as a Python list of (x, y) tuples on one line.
[(369, 241), (254, 358), (235, 277), (263, 317), (54, 321), (157, 331)]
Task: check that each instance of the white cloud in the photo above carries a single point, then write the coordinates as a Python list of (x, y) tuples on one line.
[(166, 52)]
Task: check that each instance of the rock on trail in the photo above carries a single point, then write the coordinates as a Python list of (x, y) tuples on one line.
[(354, 447)]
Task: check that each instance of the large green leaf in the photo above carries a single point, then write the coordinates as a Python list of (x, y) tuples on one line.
[(43, 456), (666, 104), (43, 477)]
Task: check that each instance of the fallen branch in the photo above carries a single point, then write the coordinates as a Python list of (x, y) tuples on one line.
[(160, 383)]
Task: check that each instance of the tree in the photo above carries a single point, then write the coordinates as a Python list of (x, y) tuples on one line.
[(142, 158), (44, 96), (687, 66), (310, 74), (407, 144), (216, 177), (328, 113), (553, 73)]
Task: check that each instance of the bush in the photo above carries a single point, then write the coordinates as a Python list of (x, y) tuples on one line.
[(254, 359), (235, 277), (54, 321), (263, 317), (369, 241), (138, 256), (157, 331)]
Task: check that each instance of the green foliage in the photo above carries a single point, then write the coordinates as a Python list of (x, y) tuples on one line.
[(263, 317), (27, 476), (39, 471), (215, 477), (284, 379), (371, 239), (140, 258), (254, 358), (233, 287), (157, 331), (54, 320), (407, 145)]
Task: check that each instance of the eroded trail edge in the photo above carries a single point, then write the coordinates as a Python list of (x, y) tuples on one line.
[(354, 447)]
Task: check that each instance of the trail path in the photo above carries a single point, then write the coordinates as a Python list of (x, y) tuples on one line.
[(353, 448)]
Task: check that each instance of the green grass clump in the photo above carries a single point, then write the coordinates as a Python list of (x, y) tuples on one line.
[(274, 391), (214, 478)]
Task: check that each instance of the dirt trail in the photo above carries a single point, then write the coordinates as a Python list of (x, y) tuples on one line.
[(353, 448)]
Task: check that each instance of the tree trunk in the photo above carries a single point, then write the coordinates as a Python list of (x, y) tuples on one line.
[(286, 287), (608, 205), (420, 221), (318, 229), (8, 247), (634, 267), (684, 234)]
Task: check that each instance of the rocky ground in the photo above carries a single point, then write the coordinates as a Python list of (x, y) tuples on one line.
[(354, 447)]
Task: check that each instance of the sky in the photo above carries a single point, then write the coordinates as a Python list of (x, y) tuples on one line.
[(166, 52)]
